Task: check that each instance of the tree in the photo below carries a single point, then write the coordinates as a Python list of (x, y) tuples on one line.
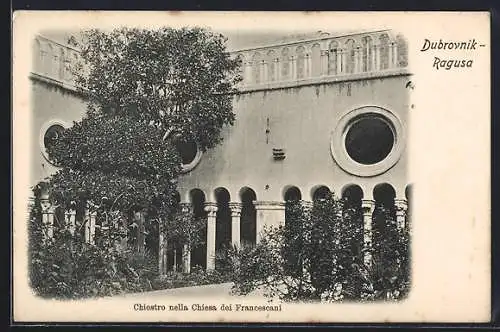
[(147, 92)]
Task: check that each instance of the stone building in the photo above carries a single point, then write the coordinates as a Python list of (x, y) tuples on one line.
[(316, 113)]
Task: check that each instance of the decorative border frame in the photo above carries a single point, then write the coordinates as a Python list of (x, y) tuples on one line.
[(41, 137), (339, 152)]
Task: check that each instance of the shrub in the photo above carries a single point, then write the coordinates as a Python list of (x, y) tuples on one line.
[(317, 256)]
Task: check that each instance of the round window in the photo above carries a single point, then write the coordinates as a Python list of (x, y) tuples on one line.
[(49, 134), (369, 140), (189, 153)]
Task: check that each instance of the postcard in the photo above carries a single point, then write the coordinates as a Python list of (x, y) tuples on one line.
[(251, 167)]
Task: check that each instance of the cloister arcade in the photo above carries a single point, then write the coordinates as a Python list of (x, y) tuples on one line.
[(238, 219)]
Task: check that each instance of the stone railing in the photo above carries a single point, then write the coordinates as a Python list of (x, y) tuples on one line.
[(52, 61), (323, 59)]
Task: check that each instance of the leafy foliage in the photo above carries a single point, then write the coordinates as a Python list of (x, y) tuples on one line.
[(147, 91), (317, 256)]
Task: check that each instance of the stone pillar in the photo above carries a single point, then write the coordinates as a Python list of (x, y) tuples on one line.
[(324, 63), (377, 57), (248, 78), (368, 206), (395, 55), (263, 71), (211, 209), (401, 208), (373, 58), (47, 218), (356, 68), (236, 222), (162, 252), (293, 73), (186, 248), (389, 55), (276, 69), (70, 217), (340, 60), (269, 214), (308, 66)]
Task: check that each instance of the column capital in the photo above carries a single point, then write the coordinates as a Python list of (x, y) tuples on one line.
[(235, 208), (211, 208), (401, 205), (185, 207), (368, 206), (269, 205), (307, 204), (46, 205)]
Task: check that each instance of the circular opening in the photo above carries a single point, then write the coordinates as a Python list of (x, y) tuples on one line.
[(369, 140), (187, 151), (51, 135)]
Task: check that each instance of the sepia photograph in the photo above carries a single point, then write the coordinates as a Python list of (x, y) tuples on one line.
[(217, 166)]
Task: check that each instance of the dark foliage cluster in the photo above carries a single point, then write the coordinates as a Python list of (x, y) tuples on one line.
[(318, 256)]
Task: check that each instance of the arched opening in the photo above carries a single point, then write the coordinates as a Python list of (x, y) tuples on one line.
[(292, 194), (285, 64), (199, 252), (300, 62), (223, 221), (333, 54), (320, 193), (384, 51), (352, 197), (367, 50), (402, 47), (349, 56), (256, 63), (315, 60), (248, 225), (271, 67), (384, 213)]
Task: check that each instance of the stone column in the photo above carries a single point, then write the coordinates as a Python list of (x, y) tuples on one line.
[(211, 209), (276, 69), (395, 55), (356, 68), (47, 218), (236, 222), (269, 214), (263, 71), (70, 217), (293, 63), (162, 252), (377, 57), (389, 54), (401, 208), (368, 206), (340, 60), (373, 58), (324, 63), (248, 78), (308, 66), (186, 248)]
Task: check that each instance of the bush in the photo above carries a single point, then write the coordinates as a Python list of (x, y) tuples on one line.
[(317, 256)]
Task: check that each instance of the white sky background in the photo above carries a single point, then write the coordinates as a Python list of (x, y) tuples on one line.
[(449, 146)]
